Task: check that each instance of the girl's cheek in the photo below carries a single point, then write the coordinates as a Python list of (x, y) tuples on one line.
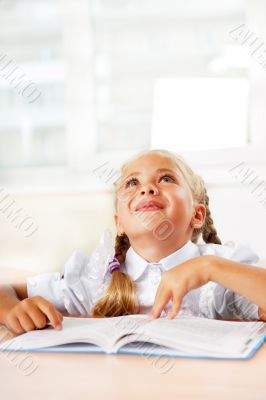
[(123, 205), (121, 197), (127, 195), (180, 194)]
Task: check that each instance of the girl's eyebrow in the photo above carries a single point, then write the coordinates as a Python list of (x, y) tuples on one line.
[(158, 170)]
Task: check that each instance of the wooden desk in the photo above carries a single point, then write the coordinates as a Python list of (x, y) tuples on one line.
[(99, 376)]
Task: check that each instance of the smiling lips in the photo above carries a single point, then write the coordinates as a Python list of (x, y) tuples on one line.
[(149, 206)]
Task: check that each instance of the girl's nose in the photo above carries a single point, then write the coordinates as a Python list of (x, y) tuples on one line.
[(149, 189)]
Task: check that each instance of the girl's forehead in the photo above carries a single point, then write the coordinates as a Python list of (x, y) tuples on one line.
[(149, 163)]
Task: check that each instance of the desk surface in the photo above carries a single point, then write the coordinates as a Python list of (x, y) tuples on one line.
[(99, 376)]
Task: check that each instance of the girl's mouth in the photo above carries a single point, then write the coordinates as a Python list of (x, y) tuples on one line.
[(149, 206)]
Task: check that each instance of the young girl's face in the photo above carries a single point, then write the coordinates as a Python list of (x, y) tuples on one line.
[(151, 190)]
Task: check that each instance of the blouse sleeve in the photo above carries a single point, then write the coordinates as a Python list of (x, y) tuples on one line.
[(75, 292), (84, 280), (83, 284), (48, 286), (218, 302)]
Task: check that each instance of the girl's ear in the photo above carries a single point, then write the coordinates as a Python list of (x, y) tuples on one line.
[(198, 216), (118, 225)]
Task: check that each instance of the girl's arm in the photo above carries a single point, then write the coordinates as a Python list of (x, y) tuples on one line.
[(22, 314), (248, 281)]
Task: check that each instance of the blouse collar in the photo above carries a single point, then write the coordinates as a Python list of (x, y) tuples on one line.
[(135, 265)]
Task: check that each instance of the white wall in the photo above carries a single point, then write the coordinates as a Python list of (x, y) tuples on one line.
[(239, 216)]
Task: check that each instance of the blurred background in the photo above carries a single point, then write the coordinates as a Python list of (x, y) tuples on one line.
[(112, 78)]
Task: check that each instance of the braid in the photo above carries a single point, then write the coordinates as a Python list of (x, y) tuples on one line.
[(120, 296), (121, 247), (209, 232)]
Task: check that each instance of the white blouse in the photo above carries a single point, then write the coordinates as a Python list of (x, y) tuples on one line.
[(85, 279)]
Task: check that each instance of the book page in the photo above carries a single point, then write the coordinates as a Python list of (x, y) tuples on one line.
[(102, 332), (193, 335), (73, 330), (200, 335)]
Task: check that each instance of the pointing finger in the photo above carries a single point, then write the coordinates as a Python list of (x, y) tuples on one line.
[(160, 302), (51, 313), (175, 307)]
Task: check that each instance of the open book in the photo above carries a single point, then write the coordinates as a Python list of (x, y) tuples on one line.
[(182, 336)]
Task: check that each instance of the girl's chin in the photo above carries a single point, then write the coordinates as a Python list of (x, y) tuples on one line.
[(152, 228)]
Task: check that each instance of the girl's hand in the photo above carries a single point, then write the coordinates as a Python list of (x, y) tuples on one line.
[(32, 313), (177, 282)]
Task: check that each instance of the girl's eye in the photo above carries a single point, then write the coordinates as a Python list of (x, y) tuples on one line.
[(167, 178), (134, 181), (131, 182)]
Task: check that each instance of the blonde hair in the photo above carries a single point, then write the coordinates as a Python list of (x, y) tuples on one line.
[(120, 297)]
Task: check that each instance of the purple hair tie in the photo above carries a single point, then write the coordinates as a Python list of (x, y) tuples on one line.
[(114, 264)]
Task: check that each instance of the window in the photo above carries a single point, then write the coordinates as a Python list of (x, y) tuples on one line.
[(32, 130), (200, 114), (96, 67)]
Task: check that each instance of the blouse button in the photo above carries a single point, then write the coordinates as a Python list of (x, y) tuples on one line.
[(155, 277)]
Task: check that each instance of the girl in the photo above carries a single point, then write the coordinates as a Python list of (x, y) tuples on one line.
[(157, 265)]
